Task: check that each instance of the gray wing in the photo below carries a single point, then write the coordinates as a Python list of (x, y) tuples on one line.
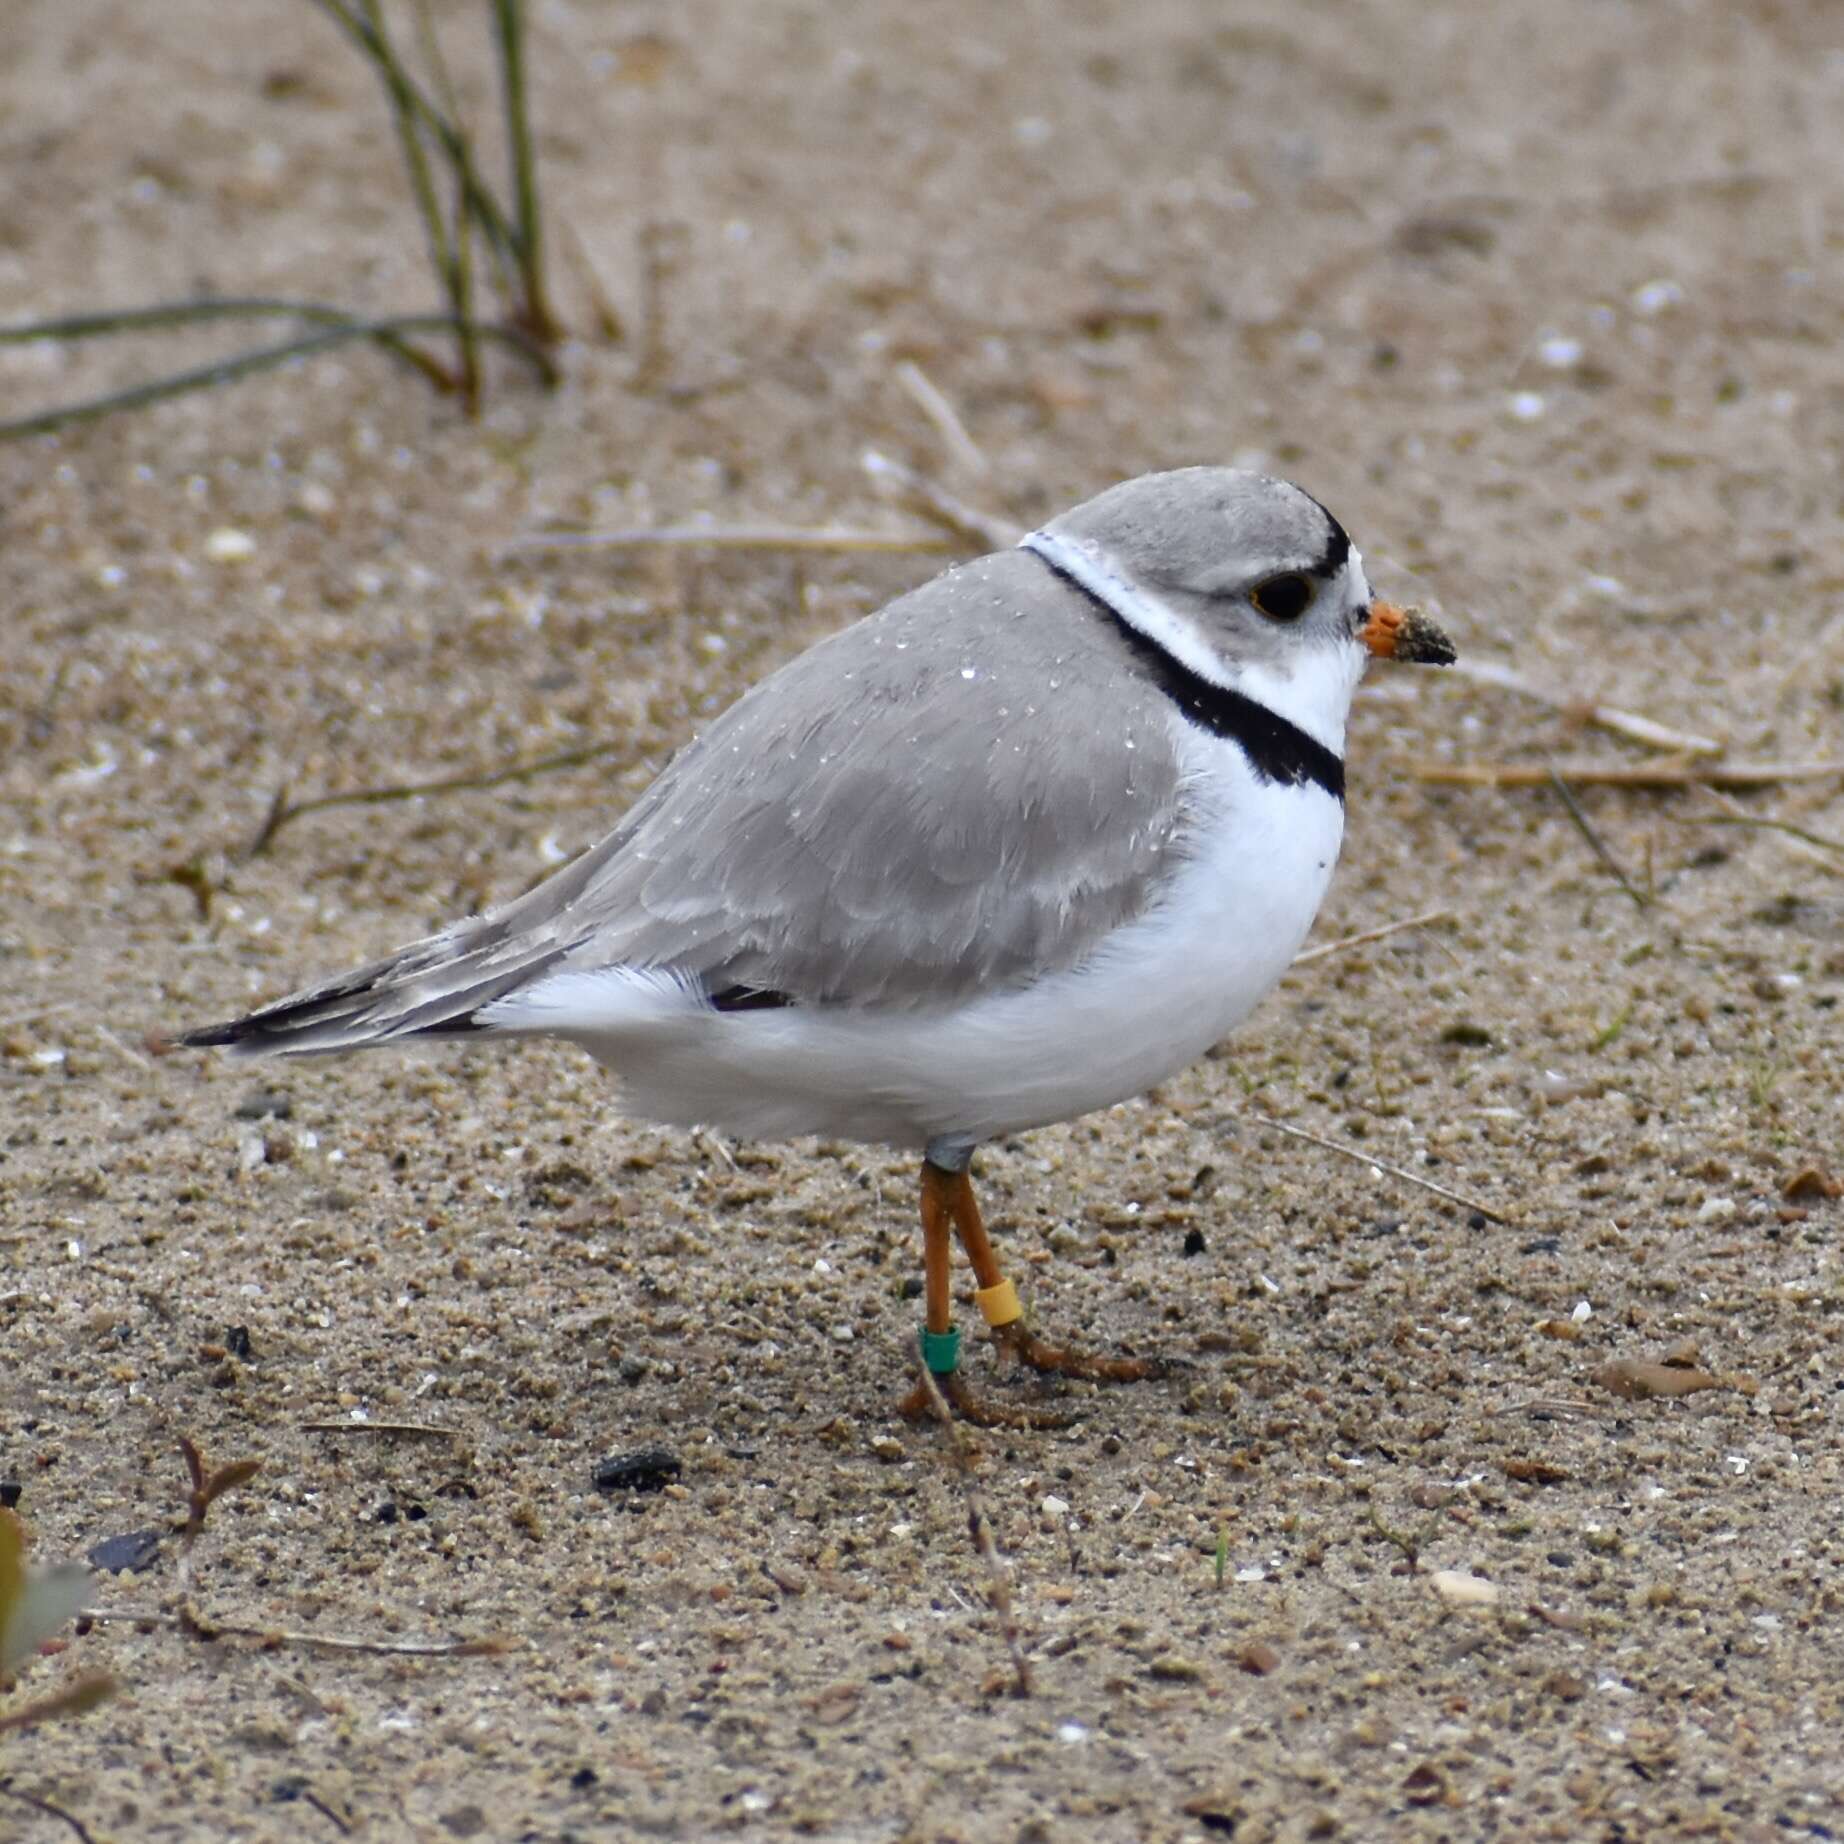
[(968, 788)]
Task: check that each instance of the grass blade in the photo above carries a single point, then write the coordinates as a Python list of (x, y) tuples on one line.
[(388, 333), (535, 309)]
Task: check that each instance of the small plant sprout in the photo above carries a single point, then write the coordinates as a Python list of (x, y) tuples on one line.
[(210, 1485)]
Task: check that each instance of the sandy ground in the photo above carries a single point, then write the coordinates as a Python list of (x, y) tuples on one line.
[(1544, 300)]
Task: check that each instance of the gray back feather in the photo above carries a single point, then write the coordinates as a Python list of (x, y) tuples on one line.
[(968, 788), (960, 791)]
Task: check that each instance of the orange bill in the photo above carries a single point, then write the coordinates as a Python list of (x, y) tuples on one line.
[(1406, 634)]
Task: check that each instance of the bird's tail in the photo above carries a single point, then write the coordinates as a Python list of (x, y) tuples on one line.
[(432, 988)]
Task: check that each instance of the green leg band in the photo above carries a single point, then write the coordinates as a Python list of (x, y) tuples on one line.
[(941, 1350)]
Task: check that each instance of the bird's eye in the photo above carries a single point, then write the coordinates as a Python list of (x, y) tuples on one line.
[(1285, 597)]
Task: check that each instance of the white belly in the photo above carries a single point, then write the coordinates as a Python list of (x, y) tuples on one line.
[(1151, 1001)]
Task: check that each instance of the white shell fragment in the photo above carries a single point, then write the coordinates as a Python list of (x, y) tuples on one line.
[(1458, 1589)]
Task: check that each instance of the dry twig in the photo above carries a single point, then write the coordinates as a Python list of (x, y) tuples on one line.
[(76, 1698), (927, 397), (282, 810), (51, 1811), (839, 538), (1668, 773), (1599, 846), (199, 1626), (1426, 919), (980, 1525), (420, 1429), (1629, 724), (983, 529), (1358, 1154)]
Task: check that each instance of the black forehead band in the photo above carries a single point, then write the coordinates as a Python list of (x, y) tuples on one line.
[(1337, 547)]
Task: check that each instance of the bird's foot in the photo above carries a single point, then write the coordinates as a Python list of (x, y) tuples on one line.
[(1027, 1348), (919, 1405)]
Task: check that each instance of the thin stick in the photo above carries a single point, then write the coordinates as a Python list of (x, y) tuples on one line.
[(309, 1797), (1665, 774), (1553, 1405), (966, 522), (282, 811), (1382, 1165), (121, 1049), (75, 1697), (44, 1805), (928, 399), (730, 537), (199, 1626), (1596, 843), (1426, 919), (226, 371), (1629, 724), (980, 1526), (423, 1429), (1766, 824)]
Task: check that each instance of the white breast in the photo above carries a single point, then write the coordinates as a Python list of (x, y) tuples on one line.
[(1174, 982)]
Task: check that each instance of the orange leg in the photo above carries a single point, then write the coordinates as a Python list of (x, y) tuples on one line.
[(949, 1207), (999, 1303)]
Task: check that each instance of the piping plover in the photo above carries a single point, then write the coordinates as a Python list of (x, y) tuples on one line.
[(1018, 846)]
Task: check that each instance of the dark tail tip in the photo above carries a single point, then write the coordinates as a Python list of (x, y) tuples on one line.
[(214, 1036)]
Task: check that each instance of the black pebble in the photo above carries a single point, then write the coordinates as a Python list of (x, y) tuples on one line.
[(584, 1778), (9, 1492), (128, 1554), (1475, 1221), (1542, 1245), (647, 1469), (237, 1342), (1194, 1242)]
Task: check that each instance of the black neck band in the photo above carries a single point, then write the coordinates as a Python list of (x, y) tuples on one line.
[(1276, 749)]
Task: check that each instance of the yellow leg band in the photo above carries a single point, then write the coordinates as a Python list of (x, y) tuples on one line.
[(998, 1304)]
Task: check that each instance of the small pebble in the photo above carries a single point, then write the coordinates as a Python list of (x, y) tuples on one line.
[(647, 1469), (226, 545), (128, 1554)]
